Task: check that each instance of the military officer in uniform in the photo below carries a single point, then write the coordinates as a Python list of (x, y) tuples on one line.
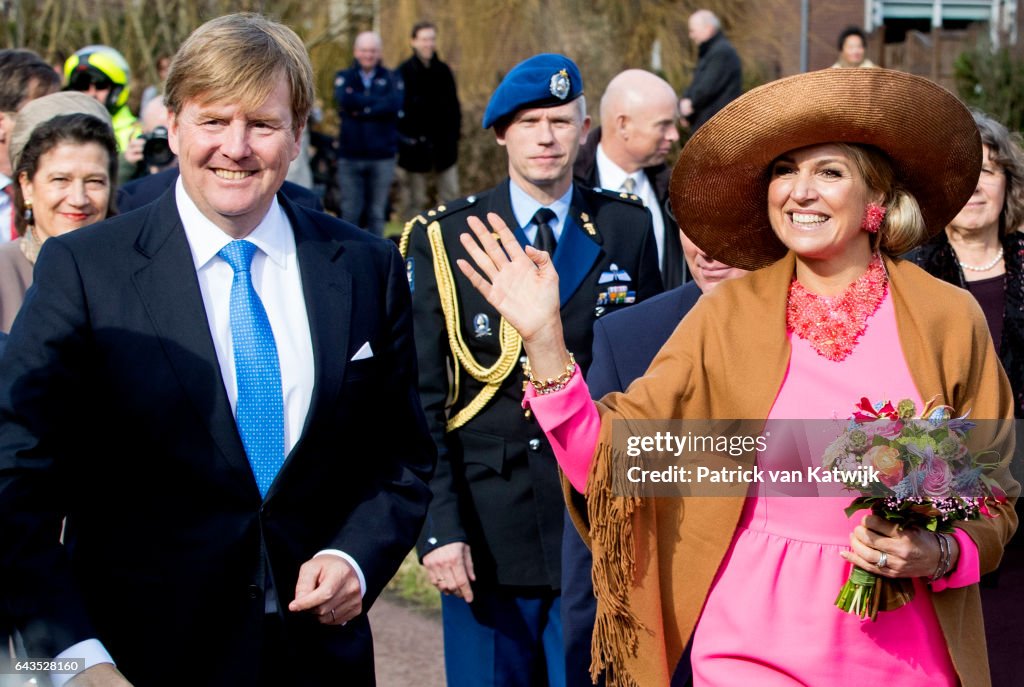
[(492, 538)]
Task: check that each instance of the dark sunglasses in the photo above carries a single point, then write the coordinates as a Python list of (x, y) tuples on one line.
[(83, 80)]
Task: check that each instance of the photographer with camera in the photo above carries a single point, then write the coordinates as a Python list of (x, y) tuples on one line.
[(149, 152)]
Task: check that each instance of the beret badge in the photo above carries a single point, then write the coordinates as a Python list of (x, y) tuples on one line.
[(559, 85)]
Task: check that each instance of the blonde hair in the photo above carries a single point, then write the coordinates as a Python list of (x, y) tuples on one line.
[(234, 57), (904, 227)]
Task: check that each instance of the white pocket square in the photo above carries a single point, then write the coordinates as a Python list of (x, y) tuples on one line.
[(364, 352)]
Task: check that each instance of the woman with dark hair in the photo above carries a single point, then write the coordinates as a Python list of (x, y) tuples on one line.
[(852, 47), (982, 250), (65, 163), (817, 183)]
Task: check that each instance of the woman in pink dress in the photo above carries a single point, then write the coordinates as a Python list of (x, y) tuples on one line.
[(815, 182)]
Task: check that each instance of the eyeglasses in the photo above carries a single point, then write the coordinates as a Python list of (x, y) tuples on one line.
[(84, 80)]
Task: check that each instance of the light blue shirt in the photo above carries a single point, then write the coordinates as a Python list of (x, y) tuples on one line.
[(524, 208)]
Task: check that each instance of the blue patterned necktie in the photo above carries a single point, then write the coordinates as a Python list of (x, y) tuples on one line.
[(259, 412)]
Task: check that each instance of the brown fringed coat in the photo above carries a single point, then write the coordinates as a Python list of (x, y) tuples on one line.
[(655, 559)]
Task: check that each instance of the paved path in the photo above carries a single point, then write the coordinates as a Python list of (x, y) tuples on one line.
[(407, 643)]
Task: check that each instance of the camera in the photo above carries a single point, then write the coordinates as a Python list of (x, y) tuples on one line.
[(156, 152)]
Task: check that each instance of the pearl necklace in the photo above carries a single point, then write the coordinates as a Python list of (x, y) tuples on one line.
[(982, 268), (833, 325)]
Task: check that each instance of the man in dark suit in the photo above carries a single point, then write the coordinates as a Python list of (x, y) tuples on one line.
[(624, 345), (145, 190), (718, 78), (194, 385), (627, 153), (493, 534)]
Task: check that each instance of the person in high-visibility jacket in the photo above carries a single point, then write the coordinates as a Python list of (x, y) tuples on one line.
[(102, 72)]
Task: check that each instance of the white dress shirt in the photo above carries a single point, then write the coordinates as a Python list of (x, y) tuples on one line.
[(612, 177), (278, 282), (276, 278), (524, 207)]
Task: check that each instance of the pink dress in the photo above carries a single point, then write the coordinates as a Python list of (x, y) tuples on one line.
[(769, 619)]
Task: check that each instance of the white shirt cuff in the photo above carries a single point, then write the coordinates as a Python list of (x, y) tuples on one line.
[(355, 566), (92, 650)]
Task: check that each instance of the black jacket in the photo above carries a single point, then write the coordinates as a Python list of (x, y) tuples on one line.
[(938, 259), (496, 485), (428, 130), (369, 118), (113, 414), (717, 80), (673, 266)]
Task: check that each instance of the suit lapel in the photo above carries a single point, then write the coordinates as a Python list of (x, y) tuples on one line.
[(574, 257), (169, 288), (327, 291), (577, 249)]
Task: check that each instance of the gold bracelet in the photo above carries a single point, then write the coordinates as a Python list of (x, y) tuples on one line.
[(551, 384)]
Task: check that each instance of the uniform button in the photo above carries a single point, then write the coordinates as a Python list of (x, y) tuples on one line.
[(432, 541), (534, 444), (253, 591)]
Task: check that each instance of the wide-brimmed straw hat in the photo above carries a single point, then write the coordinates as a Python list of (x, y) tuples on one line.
[(719, 187)]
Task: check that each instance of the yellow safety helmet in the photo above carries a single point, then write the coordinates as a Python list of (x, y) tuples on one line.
[(99, 65)]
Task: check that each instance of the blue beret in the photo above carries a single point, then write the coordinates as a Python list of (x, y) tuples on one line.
[(544, 80)]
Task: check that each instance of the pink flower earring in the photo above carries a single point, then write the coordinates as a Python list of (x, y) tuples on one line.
[(873, 216)]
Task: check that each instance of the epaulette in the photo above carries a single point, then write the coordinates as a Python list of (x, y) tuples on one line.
[(632, 198), (426, 218)]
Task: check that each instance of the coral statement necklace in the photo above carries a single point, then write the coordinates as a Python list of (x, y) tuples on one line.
[(833, 324)]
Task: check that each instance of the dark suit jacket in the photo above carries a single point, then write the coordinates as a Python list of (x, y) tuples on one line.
[(497, 485), (624, 345), (673, 267), (113, 412), (717, 80), (143, 191)]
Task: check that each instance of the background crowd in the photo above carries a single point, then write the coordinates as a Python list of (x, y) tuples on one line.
[(77, 147)]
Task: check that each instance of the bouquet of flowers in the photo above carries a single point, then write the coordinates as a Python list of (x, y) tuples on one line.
[(926, 477)]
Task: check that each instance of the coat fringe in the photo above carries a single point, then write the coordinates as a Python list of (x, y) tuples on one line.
[(616, 626)]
